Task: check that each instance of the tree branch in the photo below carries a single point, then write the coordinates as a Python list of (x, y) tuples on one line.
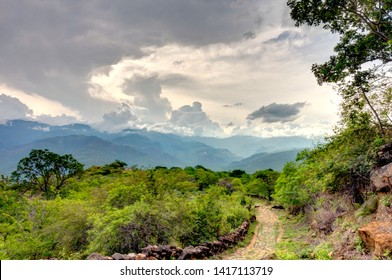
[(372, 26)]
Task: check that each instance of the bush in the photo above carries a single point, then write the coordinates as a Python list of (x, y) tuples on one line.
[(121, 212), (323, 251), (124, 195), (290, 189)]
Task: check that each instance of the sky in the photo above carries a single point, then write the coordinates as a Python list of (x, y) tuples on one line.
[(191, 67)]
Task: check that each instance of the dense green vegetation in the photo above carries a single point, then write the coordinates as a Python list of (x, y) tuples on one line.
[(328, 187), (117, 209), (343, 165), (360, 71)]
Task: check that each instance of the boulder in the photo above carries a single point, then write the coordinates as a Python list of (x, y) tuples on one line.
[(188, 253), (217, 246), (151, 251), (384, 154), (381, 178), (140, 257), (195, 253), (377, 237), (96, 256), (164, 252), (118, 257)]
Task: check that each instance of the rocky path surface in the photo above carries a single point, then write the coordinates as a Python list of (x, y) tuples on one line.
[(266, 234)]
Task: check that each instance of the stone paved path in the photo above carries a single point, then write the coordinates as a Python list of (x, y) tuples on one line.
[(266, 234)]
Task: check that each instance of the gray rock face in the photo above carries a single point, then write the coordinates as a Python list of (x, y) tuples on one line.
[(118, 257), (381, 178)]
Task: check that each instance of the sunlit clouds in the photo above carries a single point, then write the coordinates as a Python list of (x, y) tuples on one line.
[(210, 68)]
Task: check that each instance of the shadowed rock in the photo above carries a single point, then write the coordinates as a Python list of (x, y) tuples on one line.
[(384, 154)]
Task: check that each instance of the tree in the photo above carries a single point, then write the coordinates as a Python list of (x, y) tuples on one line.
[(362, 63), (45, 171)]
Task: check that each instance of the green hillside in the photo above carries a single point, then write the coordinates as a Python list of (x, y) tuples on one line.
[(111, 208)]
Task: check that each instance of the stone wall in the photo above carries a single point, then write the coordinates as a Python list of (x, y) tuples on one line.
[(198, 252)]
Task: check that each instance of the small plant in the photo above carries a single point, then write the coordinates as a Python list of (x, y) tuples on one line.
[(359, 245), (387, 255), (323, 251), (347, 225), (386, 201)]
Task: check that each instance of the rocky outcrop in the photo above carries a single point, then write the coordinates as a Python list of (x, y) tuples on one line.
[(377, 237), (381, 178), (384, 155)]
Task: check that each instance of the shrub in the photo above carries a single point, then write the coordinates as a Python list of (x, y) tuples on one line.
[(323, 251), (290, 189)]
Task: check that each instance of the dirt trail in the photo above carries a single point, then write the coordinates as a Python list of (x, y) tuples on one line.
[(266, 234)]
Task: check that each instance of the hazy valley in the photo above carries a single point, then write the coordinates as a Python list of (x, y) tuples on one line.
[(146, 149)]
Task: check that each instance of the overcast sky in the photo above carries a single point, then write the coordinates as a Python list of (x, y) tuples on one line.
[(193, 67)]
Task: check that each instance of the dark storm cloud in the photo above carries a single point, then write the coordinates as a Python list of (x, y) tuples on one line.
[(277, 112), (249, 35), (285, 36), (50, 46)]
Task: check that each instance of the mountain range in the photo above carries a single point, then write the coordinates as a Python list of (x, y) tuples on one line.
[(144, 148)]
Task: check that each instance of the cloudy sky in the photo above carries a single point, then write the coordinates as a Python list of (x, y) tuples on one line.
[(193, 67)]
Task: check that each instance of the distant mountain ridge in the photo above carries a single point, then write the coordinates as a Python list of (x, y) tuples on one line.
[(275, 161), (143, 148), (246, 146)]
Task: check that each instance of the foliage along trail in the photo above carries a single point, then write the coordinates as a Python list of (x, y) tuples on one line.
[(267, 233)]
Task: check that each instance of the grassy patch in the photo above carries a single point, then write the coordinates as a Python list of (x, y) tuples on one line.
[(323, 251), (295, 243)]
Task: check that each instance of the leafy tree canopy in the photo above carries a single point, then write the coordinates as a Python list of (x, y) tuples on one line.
[(45, 171), (361, 65)]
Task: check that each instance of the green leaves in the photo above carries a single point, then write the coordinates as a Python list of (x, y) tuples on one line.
[(122, 211), (363, 55), (291, 189), (342, 165), (45, 171)]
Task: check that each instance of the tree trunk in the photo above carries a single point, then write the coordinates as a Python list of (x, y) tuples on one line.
[(375, 113)]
